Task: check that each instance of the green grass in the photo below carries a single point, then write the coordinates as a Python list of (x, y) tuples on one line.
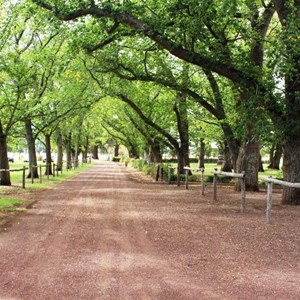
[(209, 167), (16, 177), (9, 204)]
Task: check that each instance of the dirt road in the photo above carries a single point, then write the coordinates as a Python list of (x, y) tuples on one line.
[(106, 235)]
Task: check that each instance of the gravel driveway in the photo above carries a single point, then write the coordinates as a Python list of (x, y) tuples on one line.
[(109, 234)]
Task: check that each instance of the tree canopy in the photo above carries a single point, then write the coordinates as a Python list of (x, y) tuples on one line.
[(159, 74)]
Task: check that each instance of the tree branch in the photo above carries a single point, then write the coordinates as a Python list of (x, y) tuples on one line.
[(143, 28)]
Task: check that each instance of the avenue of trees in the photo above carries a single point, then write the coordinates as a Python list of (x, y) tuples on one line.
[(154, 76)]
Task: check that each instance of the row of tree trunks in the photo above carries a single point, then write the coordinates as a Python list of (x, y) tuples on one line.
[(33, 172), (4, 164)]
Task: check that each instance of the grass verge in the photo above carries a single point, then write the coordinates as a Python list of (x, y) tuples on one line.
[(13, 196)]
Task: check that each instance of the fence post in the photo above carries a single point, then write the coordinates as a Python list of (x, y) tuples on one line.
[(31, 171), (169, 174), (41, 174), (202, 181), (178, 176), (23, 178), (186, 179), (215, 185), (47, 170), (243, 192), (161, 173), (157, 173), (269, 202)]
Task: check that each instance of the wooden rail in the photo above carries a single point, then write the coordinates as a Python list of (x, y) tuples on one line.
[(240, 176), (170, 173), (187, 170), (47, 171), (270, 182), (17, 170)]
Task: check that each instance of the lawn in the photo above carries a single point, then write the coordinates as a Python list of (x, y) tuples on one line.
[(7, 200)]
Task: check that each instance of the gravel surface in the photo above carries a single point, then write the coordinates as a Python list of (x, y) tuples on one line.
[(111, 233)]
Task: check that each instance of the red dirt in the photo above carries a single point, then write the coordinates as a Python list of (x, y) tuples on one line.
[(111, 234)]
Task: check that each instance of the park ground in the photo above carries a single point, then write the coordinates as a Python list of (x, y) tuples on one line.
[(112, 233)]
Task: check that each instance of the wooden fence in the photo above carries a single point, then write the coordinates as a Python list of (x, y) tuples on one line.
[(40, 171), (17, 170), (270, 182), (240, 176), (187, 171)]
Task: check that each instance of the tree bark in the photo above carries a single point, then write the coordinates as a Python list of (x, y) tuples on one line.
[(227, 164), (48, 170), (201, 153), (68, 143), (275, 158), (4, 164), (116, 150), (232, 143), (261, 167), (271, 156), (31, 149), (77, 144), (59, 143), (95, 150), (155, 153), (289, 18), (86, 150), (248, 161), (180, 109), (291, 169)]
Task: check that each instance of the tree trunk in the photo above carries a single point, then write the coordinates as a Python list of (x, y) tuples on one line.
[(77, 144), (232, 143), (4, 164), (289, 16), (86, 150), (271, 156), (95, 154), (68, 143), (116, 150), (201, 154), (248, 161), (59, 143), (261, 167), (155, 153), (180, 164), (48, 170), (275, 161), (31, 150), (291, 169), (227, 164), (180, 109)]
